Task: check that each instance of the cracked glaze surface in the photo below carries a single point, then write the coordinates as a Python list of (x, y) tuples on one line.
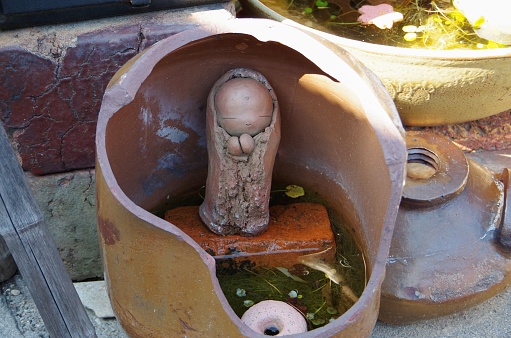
[(49, 102)]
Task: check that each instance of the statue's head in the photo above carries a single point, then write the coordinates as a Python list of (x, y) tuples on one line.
[(243, 106)]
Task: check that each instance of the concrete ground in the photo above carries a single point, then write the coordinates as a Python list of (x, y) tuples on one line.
[(19, 316)]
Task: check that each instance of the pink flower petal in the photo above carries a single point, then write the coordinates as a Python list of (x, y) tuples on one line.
[(382, 16)]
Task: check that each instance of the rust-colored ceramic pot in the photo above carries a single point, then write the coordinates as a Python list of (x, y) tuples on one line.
[(446, 254), (340, 137)]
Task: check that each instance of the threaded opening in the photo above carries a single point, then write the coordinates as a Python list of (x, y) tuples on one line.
[(422, 163)]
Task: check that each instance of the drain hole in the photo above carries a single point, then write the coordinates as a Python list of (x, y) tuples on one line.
[(422, 163), (271, 331)]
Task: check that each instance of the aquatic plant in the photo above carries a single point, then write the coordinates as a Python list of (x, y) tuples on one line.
[(442, 28), (313, 294), (403, 23)]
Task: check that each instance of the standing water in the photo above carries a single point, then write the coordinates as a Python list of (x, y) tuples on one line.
[(425, 23), (321, 286)]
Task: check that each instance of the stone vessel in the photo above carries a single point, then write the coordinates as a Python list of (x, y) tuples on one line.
[(429, 87), (342, 140)]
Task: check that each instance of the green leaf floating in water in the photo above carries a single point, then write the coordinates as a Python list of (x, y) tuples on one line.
[(294, 191), (293, 294), (318, 321), (241, 292), (321, 3)]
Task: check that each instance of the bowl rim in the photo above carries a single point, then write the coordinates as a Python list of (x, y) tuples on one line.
[(372, 48)]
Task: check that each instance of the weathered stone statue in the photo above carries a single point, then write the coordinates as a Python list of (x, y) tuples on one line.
[(243, 134)]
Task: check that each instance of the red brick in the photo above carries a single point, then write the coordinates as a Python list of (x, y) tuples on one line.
[(294, 230)]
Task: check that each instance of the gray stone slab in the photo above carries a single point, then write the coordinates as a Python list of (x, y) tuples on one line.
[(68, 203), (94, 297)]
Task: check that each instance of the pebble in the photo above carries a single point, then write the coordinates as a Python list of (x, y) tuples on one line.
[(15, 292)]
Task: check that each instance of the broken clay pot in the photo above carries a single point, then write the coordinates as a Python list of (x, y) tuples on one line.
[(340, 137)]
